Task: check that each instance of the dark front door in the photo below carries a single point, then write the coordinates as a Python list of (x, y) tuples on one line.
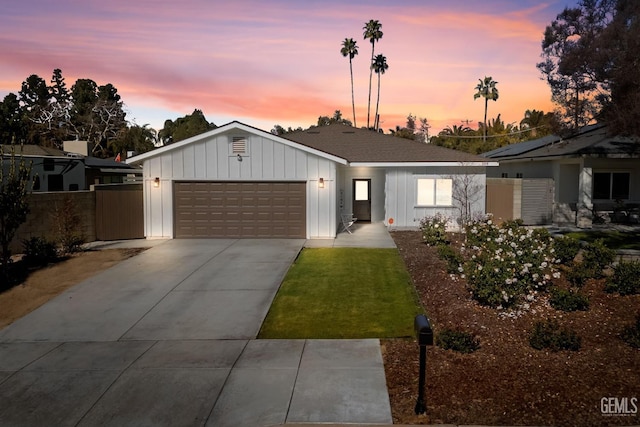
[(362, 199)]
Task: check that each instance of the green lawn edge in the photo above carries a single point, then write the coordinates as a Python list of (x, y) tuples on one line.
[(342, 293)]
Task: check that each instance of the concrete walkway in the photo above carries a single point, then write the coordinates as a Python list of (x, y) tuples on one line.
[(167, 338), (363, 235)]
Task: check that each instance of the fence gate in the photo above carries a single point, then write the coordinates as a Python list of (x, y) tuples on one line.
[(537, 201), (119, 212)]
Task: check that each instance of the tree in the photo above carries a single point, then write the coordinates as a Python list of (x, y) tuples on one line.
[(621, 66), (538, 123), (424, 130), (58, 90), (14, 207), (466, 192), (373, 33), (575, 63), (138, 139), (184, 127), (34, 94), (350, 49), (337, 118), (486, 89), (379, 66), (11, 119)]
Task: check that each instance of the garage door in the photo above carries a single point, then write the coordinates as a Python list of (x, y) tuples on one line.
[(240, 209)]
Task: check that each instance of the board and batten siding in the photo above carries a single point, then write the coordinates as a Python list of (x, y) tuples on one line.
[(265, 160), (401, 194)]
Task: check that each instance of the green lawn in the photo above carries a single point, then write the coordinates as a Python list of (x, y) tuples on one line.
[(613, 239), (344, 293)]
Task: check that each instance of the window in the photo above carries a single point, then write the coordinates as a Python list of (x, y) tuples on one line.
[(239, 145), (611, 185), (434, 192)]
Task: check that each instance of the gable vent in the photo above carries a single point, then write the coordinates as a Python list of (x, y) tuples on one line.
[(239, 144)]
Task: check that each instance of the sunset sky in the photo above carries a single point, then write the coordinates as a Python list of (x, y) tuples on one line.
[(268, 62)]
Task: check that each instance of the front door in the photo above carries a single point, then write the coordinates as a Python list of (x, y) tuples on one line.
[(362, 199)]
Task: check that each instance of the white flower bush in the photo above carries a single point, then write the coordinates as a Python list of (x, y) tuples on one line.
[(506, 265), (434, 229)]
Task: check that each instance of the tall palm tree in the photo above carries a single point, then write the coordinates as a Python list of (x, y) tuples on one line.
[(486, 89), (379, 65), (373, 33), (350, 49)]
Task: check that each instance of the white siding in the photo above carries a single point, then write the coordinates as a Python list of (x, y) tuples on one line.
[(401, 194), (377, 177), (213, 160)]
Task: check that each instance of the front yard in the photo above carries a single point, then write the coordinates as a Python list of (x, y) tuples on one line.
[(506, 381)]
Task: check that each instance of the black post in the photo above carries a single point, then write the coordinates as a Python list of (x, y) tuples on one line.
[(424, 335), (421, 405)]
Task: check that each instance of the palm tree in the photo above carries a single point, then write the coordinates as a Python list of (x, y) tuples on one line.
[(373, 33), (350, 49), (379, 65), (486, 89)]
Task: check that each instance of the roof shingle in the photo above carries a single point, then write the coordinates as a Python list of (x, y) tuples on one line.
[(366, 146)]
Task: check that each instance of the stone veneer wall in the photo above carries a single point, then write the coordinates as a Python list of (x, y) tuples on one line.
[(41, 220)]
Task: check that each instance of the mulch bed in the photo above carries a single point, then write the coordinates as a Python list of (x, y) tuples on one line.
[(507, 382)]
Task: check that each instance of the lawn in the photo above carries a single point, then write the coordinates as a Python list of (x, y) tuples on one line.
[(344, 293), (612, 238)]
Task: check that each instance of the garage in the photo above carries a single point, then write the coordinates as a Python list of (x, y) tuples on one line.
[(242, 209)]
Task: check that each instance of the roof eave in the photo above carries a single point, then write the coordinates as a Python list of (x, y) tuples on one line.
[(421, 164)]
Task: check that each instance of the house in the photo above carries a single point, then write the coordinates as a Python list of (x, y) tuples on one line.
[(240, 181), (57, 170), (591, 172)]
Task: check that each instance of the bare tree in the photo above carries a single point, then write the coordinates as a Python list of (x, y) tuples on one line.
[(467, 191)]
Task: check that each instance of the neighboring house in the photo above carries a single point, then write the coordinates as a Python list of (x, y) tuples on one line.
[(590, 172), (51, 169), (56, 170), (239, 181)]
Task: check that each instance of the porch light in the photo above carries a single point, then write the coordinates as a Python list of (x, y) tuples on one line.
[(156, 182), (321, 183)]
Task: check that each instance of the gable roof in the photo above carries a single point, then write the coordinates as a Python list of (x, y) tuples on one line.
[(32, 150), (362, 147), (590, 141), (235, 125), (345, 145)]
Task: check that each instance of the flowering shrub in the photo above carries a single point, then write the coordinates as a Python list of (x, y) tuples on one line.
[(507, 264), (434, 229), (625, 279), (566, 248)]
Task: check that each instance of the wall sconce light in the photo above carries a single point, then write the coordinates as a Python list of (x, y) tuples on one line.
[(239, 158), (156, 182), (321, 183)]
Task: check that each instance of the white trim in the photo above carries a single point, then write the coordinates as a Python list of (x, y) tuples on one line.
[(225, 128), (419, 164)]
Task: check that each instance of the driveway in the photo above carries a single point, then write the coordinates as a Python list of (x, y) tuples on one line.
[(168, 338)]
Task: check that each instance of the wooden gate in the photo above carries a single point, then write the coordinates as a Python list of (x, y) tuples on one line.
[(119, 212)]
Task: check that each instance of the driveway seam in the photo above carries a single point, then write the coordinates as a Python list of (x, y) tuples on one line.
[(173, 289)]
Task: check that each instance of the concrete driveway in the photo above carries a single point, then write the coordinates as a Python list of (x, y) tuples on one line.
[(168, 338)]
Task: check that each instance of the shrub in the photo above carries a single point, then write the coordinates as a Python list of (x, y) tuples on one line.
[(567, 300), (434, 229), (451, 256), (596, 257), (579, 273), (625, 279), (566, 248), (550, 335), (463, 342), (631, 333), (39, 251), (67, 221), (507, 263)]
